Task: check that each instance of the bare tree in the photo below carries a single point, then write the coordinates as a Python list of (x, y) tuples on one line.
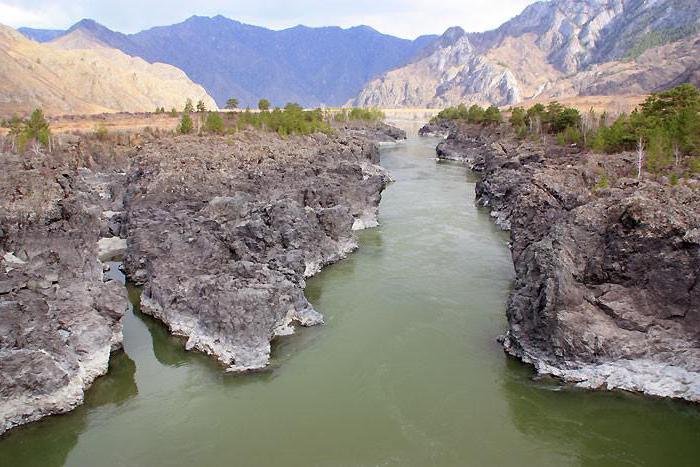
[(640, 157), (36, 148), (676, 154)]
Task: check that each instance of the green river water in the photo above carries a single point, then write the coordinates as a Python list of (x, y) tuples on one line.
[(406, 370)]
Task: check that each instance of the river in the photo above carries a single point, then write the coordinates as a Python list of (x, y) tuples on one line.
[(406, 371)]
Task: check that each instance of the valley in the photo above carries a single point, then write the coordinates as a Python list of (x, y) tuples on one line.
[(325, 245)]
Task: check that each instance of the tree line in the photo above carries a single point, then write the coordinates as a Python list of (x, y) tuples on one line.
[(664, 131), (475, 115), (290, 120)]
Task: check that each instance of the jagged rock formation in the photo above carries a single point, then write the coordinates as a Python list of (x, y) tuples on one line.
[(223, 235), (310, 66), (59, 320), (606, 292), (75, 74), (541, 52)]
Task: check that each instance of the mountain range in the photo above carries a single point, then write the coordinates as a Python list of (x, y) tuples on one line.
[(75, 75), (552, 49), (311, 66)]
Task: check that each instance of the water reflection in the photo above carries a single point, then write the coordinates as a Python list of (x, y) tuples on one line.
[(49, 441), (602, 428)]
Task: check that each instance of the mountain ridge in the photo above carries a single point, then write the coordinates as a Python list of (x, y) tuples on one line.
[(73, 74), (312, 66), (534, 53)]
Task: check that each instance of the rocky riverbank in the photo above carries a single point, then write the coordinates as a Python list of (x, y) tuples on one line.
[(223, 233), (59, 319), (607, 290), (220, 231)]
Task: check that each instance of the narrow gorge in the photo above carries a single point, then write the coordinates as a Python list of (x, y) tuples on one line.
[(406, 363)]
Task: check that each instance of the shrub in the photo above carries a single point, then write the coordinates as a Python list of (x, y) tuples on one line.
[(214, 123), (521, 132), (492, 115), (293, 120), (173, 112), (602, 183), (201, 107), (370, 115), (474, 114), (101, 132), (37, 128), (518, 117), (186, 125), (341, 116)]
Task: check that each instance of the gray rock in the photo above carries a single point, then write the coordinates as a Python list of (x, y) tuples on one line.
[(222, 235), (59, 321), (606, 292)]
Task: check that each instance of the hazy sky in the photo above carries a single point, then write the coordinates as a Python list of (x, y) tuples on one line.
[(405, 18)]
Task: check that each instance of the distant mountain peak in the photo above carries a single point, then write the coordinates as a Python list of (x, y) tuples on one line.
[(87, 24)]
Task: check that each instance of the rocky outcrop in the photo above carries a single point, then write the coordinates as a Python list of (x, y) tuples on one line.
[(606, 292), (222, 234), (59, 320)]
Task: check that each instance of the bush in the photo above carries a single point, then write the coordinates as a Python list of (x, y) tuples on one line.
[(569, 136), (341, 116), (474, 114), (521, 132), (492, 115), (173, 112), (293, 120), (37, 128), (186, 125), (201, 107), (101, 132), (370, 115), (602, 183), (518, 117), (214, 123)]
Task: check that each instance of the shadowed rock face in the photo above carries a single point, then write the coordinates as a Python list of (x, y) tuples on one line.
[(59, 320), (223, 234), (606, 292)]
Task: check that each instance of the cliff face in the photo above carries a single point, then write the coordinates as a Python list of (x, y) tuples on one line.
[(606, 292), (542, 52), (76, 74), (59, 317)]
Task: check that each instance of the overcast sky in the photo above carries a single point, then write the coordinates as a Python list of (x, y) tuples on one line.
[(404, 18)]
